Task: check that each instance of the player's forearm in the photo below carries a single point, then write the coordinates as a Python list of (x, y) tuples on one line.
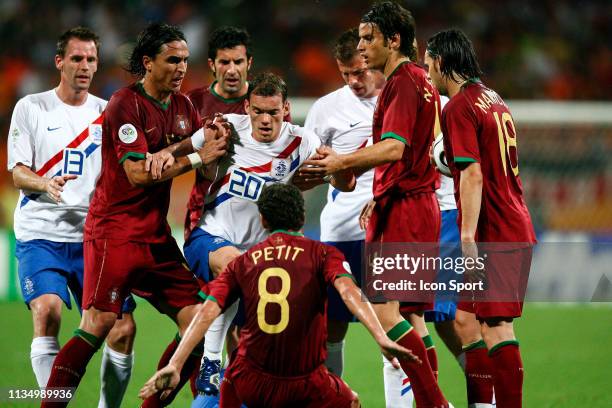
[(182, 148), (139, 177), (25, 179), (344, 180), (195, 332), (353, 298), (470, 191), (385, 151)]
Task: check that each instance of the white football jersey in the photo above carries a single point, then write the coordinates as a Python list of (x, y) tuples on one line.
[(446, 193), (230, 206), (344, 122), (53, 138)]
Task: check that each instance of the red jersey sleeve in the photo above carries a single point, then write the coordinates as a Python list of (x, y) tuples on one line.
[(224, 289), (401, 103), (462, 128), (334, 264), (124, 126)]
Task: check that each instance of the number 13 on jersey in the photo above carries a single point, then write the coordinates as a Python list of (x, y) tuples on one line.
[(279, 298)]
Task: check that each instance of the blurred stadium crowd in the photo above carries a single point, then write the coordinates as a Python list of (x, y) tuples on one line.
[(528, 50)]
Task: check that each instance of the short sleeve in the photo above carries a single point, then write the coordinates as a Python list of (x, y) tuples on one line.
[(316, 121), (400, 110), (460, 125), (309, 145), (224, 289), (125, 128), (197, 139), (334, 264), (21, 137)]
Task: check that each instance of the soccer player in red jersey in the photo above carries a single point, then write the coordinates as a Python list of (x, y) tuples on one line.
[(127, 245), (283, 284), (404, 127), (481, 147)]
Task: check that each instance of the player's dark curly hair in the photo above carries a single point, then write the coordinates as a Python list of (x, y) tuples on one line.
[(149, 43), (346, 46), (391, 19), (228, 37), (267, 84), (81, 33), (282, 206), (456, 54)]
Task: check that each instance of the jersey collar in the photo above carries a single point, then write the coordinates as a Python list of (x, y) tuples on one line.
[(144, 93), (281, 231)]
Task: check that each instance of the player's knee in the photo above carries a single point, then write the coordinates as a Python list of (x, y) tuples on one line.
[(47, 314), (97, 322), (122, 335), (496, 330), (220, 258)]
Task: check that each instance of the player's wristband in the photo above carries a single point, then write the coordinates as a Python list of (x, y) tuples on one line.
[(195, 159)]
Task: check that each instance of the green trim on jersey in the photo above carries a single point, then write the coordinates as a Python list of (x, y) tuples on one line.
[(294, 233), (396, 68), (503, 344), (144, 93), (212, 298), (222, 99), (391, 135), (399, 330), (347, 275), (465, 160), (202, 295), (132, 155)]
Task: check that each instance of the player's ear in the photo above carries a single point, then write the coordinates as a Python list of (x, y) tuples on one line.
[(59, 62), (264, 222), (394, 42), (249, 63), (247, 105), (286, 108), (211, 65), (147, 62)]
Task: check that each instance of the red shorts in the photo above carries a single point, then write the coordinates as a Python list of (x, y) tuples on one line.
[(156, 272), (406, 218), (244, 383), (507, 275)]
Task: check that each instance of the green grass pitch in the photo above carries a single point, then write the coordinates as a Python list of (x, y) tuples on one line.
[(567, 354)]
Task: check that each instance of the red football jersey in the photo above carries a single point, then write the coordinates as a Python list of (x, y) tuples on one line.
[(407, 110), (208, 102), (283, 284), (478, 127), (135, 124)]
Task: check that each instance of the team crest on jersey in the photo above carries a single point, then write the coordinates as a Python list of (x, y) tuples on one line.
[(128, 133), (280, 168), (95, 132)]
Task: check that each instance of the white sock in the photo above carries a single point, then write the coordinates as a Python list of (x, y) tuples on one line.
[(335, 358), (115, 373), (396, 383), (215, 336), (42, 354)]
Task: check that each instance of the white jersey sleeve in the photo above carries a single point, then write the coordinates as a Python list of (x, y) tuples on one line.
[(446, 193), (53, 139), (344, 122), (20, 143)]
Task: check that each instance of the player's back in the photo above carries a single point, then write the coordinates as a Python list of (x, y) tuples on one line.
[(283, 284), (504, 216)]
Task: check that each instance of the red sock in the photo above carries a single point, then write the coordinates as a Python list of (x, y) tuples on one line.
[(432, 356), (192, 365), (70, 364), (478, 374), (427, 394), (507, 374)]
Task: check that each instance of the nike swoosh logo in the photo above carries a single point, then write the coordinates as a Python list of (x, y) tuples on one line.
[(49, 129), (354, 124)]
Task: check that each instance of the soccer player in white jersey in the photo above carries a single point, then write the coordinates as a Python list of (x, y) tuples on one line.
[(55, 159), (343, 120), (265, 150)]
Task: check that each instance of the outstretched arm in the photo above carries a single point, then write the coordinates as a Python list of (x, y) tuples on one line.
[(353, 299), (168, 377)]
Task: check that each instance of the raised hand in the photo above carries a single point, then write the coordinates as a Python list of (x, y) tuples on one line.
[(164, 380)]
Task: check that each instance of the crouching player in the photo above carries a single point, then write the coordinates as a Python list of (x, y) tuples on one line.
[(283, 284), (480, 144)]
